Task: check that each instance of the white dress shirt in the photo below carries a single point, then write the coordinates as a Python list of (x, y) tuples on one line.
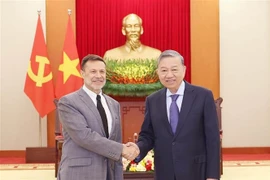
[(179, 100), (93, 96)]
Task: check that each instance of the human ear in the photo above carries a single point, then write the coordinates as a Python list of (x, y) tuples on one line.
[(123, 31), (141, 30), (82, 73)]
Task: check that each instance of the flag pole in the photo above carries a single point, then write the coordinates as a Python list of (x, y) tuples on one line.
[(39, 119), (69, 12), (40, 132)]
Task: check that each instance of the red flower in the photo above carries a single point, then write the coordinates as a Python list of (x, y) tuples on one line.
[(148, 165)]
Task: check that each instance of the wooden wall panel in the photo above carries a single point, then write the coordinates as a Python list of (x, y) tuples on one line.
[(56, 23), (205, 44), (246, 150)]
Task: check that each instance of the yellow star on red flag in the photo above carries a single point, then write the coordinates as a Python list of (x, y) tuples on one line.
[(68, 78), (69, 67)]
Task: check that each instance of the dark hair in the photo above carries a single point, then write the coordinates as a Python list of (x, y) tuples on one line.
[(91, 57)]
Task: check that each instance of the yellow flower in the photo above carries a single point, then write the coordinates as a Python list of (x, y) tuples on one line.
[(140, 167), (132, 167), (147, 164)]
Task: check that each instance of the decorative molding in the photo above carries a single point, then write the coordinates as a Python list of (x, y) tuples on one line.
[(126, 109)]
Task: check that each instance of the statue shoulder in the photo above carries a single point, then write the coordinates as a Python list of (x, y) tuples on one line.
[(155, 52), (120, 53), (115, 52)]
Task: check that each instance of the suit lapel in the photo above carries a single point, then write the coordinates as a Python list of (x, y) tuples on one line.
[(110, 106), (188, 99), (90, 104)]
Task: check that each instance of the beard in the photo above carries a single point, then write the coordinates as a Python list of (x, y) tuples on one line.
[(134, 44), (95, 85)]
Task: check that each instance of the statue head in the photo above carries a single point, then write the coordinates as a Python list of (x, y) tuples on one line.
[(132, 28)]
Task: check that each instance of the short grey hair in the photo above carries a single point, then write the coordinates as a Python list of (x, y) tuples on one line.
[(170, 53)]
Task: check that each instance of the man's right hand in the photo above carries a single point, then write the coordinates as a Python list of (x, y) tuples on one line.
[(130, 151)]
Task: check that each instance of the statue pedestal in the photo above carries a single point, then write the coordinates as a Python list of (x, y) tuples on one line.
[(132, 114)]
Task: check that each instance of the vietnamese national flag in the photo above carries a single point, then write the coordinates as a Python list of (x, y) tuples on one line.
[(38, 83), (69, 78)]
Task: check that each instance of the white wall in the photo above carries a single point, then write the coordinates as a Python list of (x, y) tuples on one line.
[(19, 123), (245, 72)]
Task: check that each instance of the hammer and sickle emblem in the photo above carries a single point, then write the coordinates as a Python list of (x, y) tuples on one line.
[(39, 78)]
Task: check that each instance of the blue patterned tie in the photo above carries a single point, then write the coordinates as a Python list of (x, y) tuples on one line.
[(174, 112)]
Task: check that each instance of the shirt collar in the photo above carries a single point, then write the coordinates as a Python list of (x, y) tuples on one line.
[(180, 90), (91, 93)]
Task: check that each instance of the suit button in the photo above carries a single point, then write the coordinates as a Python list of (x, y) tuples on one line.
[(173, 143)]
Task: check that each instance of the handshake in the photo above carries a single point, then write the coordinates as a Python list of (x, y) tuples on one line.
[(130, 151)]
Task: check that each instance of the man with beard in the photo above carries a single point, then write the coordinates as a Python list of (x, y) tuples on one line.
[(91, 124), (133, 48)]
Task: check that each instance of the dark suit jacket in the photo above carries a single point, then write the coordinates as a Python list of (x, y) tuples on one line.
[(193, 153)]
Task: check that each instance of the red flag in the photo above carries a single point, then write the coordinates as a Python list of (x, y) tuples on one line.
[(69, 78), (38, 83)]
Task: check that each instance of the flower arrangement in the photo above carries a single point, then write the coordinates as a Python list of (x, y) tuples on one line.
[(131, 77), (147, 164)]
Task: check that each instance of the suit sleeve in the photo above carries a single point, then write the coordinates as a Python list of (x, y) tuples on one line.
[(212, 137), (118, 170), (75, 125), (146, 136)]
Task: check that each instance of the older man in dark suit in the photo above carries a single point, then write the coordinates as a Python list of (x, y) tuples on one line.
[(181, 125)]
